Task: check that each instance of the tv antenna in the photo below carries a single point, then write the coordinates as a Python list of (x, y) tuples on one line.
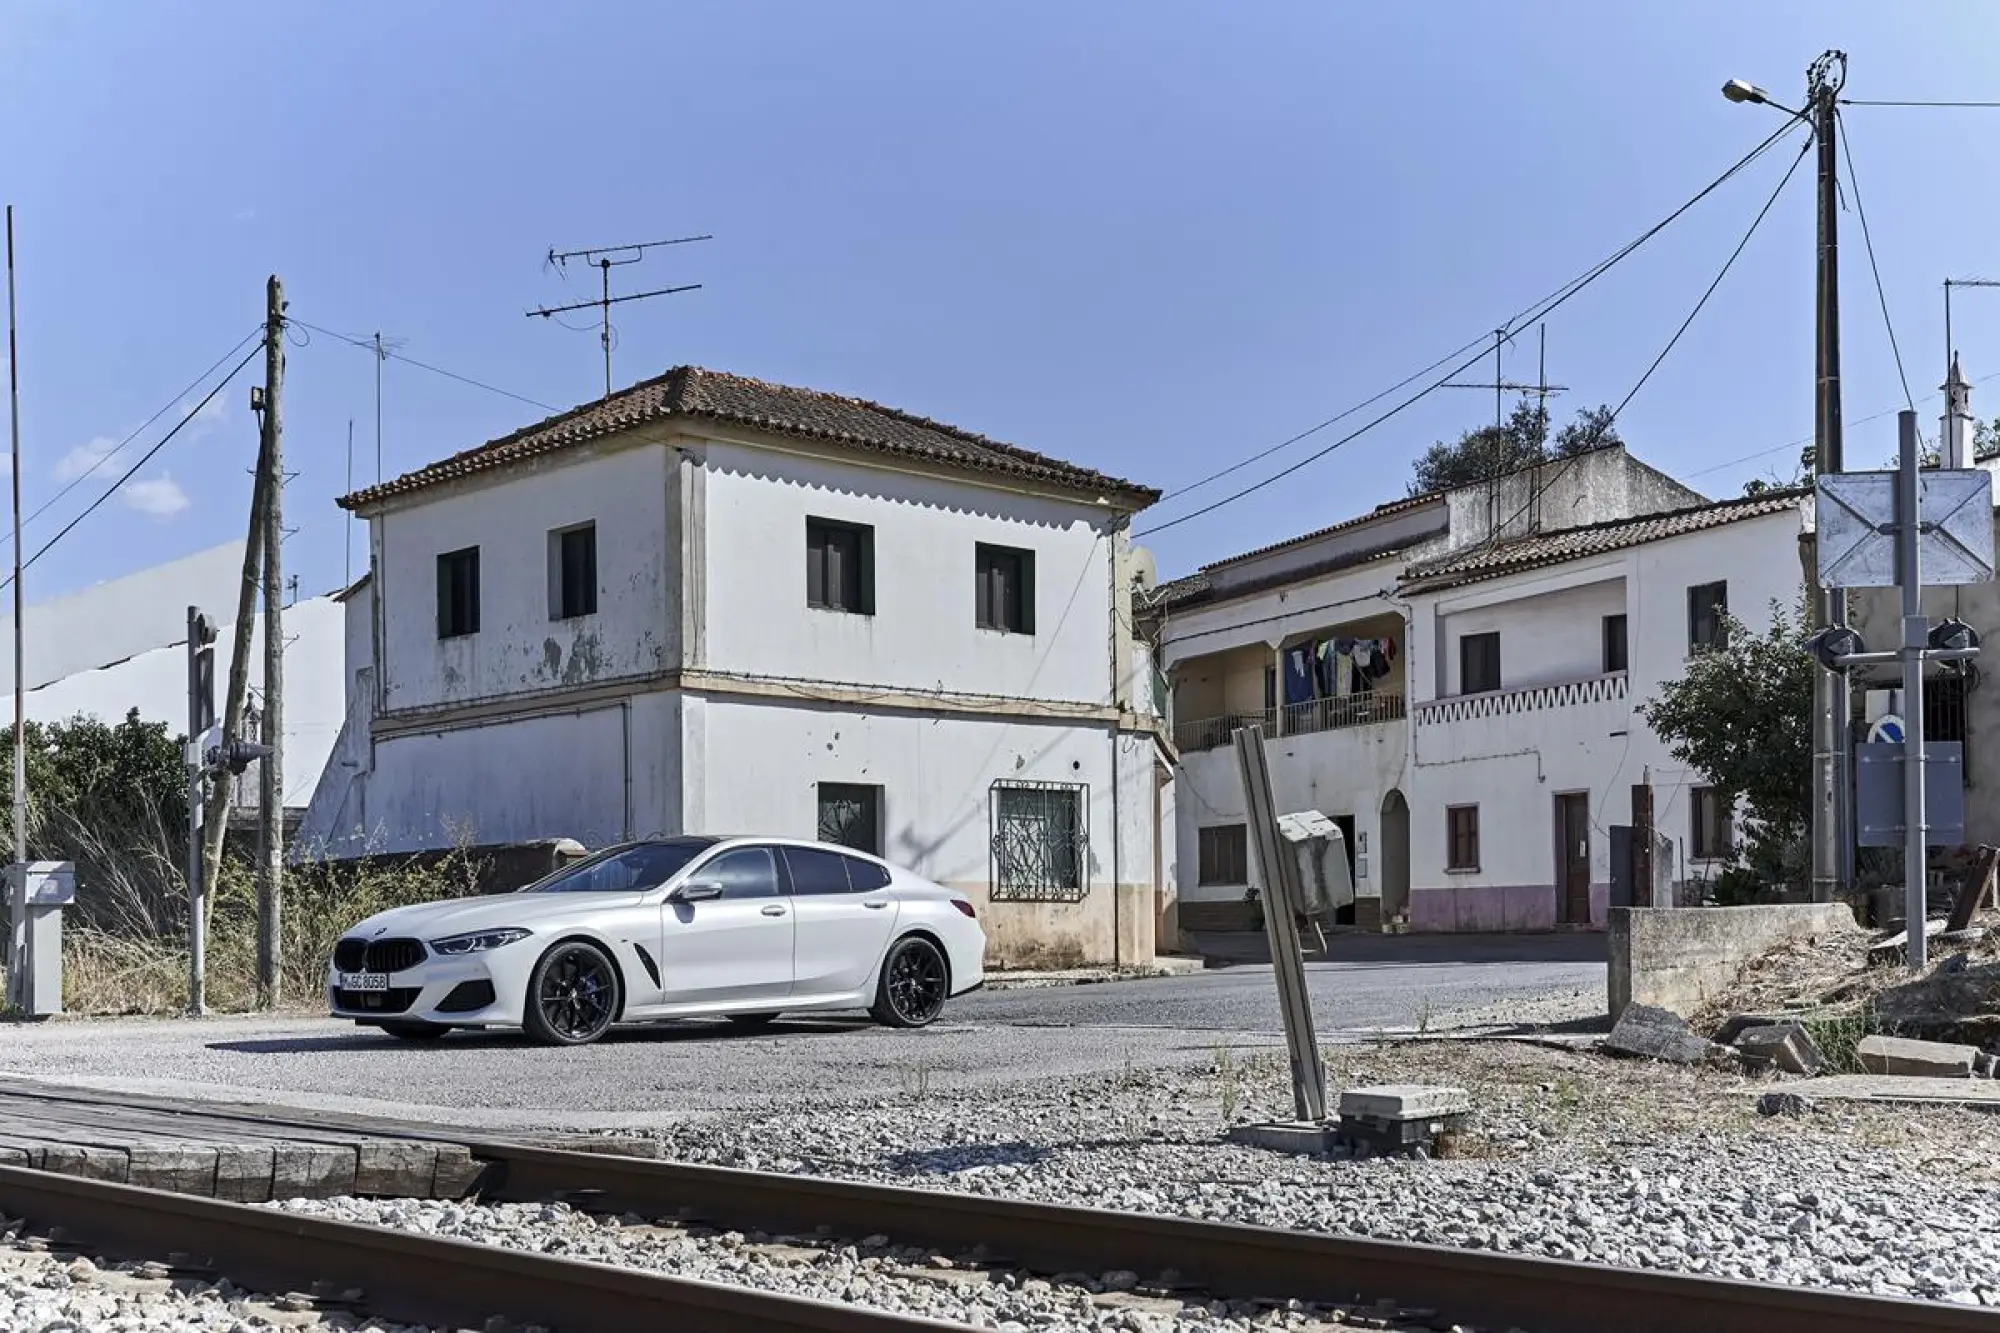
[(604, 259)]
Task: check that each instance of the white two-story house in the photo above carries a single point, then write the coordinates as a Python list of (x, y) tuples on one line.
[(1455, 680), (710, 603)]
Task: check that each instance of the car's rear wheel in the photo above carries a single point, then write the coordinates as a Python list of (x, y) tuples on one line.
[(573, 995), (914, 984), (416, 1031), (751, 1022)]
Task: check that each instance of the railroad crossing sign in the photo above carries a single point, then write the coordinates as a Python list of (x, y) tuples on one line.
[(1856, 517)]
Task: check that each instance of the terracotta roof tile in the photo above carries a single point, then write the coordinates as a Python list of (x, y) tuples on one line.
[(1461, 567), (691, 392)]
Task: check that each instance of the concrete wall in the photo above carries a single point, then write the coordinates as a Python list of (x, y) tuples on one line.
[(1679, 958), (923, 633), (520, 648), (936, 775)]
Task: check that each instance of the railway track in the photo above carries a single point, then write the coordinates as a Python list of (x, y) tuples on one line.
[(425, 1279)]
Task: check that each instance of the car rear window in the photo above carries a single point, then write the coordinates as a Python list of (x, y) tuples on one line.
[(816, 872), (865, 876)]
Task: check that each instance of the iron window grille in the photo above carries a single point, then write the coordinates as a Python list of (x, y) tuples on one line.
[(1040, 840), (850, 815)]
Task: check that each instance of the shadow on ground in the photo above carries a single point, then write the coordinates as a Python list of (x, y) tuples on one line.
[(363, 1038)]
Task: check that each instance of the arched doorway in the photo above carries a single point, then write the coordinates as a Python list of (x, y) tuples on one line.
[(1395, 856)]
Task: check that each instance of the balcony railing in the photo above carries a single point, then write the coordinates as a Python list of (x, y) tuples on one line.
[(1208, 733), (1345, 710), (1349, 710), (1531, 699)]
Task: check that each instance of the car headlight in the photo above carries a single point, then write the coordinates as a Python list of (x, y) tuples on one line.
[(478, 942)]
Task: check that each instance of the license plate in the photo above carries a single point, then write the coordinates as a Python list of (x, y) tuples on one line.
[(363, 981)]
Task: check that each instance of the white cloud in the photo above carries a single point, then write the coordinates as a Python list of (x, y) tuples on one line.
[(84, 457), (160, 496)]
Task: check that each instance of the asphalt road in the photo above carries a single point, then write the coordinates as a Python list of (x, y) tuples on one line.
[(988, 1041)]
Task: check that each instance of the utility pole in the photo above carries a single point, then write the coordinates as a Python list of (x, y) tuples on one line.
[(270, 771), (1833, 803), (17, 882), (604, 259)]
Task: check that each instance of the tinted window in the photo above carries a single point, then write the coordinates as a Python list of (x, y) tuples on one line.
[(747, 872), (816, 872), (865, 876), (623, 869)]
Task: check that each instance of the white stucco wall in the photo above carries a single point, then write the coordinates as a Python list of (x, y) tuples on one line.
[(765, 760), (520, 649), (156, 683), (922, 634)]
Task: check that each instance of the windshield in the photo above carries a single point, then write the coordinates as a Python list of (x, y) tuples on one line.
[(632, 869)]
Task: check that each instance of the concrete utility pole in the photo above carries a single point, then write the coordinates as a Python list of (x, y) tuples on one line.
[(271, 794), (1833, 838)]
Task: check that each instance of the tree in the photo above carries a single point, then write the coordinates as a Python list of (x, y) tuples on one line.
[(1520, 441), (1741, 717), (1986, 438), (1774, 482)]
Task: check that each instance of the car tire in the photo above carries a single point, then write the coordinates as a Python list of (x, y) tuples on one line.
[(574, 995), (751, 1022), (416, 1031), (914, 985)]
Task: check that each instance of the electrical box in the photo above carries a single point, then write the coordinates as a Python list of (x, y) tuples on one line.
[(43, 888), (1325, 883)]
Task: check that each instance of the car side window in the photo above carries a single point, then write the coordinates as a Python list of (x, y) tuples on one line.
[(747, 872), (815, 872), (865, 876)]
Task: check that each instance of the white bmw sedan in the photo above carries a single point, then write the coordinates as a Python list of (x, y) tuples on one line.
[(686, 927)]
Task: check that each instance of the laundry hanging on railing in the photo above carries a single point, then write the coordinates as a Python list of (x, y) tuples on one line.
[(1343, 667)]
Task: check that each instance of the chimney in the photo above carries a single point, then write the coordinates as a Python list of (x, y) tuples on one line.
[(1955, 427)]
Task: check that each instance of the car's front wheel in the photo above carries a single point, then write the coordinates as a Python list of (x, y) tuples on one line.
[(573, 995), (914, 984)]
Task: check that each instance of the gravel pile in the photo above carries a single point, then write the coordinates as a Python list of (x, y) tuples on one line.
[(1571, 1156), (48, 1292), (961, 1289)]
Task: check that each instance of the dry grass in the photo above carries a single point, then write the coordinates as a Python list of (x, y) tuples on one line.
[(125, 946)]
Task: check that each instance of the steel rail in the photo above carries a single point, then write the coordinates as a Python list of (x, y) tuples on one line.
[(1222, 1259), (408, 1277)]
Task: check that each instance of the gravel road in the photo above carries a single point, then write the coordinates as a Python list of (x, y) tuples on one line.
[(989, 1043)]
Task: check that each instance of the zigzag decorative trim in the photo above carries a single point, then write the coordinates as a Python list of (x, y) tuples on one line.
[(1531, 700)]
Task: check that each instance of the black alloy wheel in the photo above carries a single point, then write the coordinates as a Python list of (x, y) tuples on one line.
[(914, 983), (573, 995)]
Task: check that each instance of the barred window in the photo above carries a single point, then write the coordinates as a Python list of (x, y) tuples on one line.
[(1041, 840), (850, 815)]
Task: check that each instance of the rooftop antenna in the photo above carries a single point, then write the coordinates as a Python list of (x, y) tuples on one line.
[(1501, 386), (384, 348), (605, 258)]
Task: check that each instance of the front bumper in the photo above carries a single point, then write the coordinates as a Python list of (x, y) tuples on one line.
[(460, 992)]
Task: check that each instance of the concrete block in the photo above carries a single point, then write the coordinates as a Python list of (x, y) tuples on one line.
[(1288, 1136), (394, 1168), (1786, 1045), (1404, 1101), (108, 1164), (1906, 1058), (1654, 1034), (1738, 1024), (313, 1170), (1675, 958), (1985, 1065), (457, 1172)]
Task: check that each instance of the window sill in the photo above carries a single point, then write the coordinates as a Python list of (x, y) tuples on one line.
[(1461, 870), (839, 611), (997, 632), (564, 620)]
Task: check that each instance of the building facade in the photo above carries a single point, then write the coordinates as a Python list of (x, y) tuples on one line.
[(1456, 681), (708, 603)]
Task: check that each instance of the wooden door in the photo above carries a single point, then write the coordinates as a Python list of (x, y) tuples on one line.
[(1573, 857)]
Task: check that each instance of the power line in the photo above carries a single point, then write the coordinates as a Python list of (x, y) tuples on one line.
[(1868, 241), (146, 458), (1861, 101), (1520, 318), (1537, 492), (119, 448), (368, 345), (1539, 310)]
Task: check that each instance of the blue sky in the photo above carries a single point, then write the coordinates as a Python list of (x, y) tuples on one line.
[(1151, 237)]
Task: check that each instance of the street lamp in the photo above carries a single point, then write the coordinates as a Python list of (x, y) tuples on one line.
[(1833, 841)]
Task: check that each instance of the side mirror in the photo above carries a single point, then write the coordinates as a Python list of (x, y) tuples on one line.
[(696, 892)]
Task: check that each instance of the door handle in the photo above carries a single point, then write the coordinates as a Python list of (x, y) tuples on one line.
[(774, 910), (875, 903)]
